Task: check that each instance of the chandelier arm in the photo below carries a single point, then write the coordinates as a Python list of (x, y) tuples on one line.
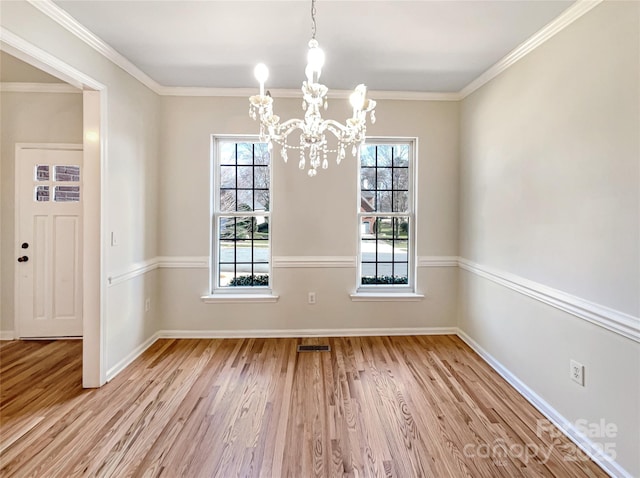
[(286, 128)]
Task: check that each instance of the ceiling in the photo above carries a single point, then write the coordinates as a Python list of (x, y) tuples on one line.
[(395, 45)]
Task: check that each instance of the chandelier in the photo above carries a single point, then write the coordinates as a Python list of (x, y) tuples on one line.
[(313, 142)]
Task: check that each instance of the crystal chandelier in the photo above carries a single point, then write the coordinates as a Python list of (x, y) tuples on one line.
[(313, 142)]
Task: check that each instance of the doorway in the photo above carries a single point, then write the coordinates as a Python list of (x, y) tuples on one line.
[(91, 237)]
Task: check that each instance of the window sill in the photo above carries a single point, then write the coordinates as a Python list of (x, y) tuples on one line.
[(239, 298), (386, 297)]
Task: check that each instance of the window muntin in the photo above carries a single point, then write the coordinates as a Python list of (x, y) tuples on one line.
[(241, 215), (386, 216)]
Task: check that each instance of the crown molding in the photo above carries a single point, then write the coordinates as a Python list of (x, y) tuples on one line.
[(8, 87), (571, 14), (295, 93), (566, 18), (60, 16)]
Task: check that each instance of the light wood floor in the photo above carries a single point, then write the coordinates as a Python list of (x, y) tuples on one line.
[(374, 406)]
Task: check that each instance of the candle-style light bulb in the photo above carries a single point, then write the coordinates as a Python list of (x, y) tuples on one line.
[(261, 73), (357, 102)]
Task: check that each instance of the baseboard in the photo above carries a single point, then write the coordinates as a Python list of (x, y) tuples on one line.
[(7, 335), (228, 334), (569, 429), (287, 333), (135, 353)]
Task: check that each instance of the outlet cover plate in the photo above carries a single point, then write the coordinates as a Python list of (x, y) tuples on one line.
[(576, 372)]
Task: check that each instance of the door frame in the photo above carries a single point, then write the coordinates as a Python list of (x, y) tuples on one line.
[(17, 210), (94, 229)]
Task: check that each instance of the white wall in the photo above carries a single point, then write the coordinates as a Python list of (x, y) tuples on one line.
[(131, 172), (311, 217), (550, 192), (28, 118)]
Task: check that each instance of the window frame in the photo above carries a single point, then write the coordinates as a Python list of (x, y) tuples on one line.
[(233, 292), (407, 291)]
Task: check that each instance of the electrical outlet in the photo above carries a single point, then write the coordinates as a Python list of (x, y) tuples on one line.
[(312, 298), (576, 372), (147, 304)]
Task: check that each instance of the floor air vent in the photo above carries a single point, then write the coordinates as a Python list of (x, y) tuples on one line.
[(314, 348)]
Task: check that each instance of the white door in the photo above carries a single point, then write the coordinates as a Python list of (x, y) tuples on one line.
[(49, 241)]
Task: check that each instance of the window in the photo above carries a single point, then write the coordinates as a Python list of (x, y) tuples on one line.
[(386, 216), (64, 177), (241, 253)]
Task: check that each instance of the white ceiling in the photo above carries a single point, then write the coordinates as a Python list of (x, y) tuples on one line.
[(428, 46)]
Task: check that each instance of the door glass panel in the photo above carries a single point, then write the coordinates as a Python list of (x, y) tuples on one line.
[(67, 173), (42, 193), (66, 194), (42, 172)]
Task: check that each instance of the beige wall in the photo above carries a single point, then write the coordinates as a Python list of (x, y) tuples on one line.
[(130, 174), (545, 186), (28, 118), (550, 192), (311, 217)]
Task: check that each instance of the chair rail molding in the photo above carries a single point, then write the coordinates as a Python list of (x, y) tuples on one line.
[(619, 322)]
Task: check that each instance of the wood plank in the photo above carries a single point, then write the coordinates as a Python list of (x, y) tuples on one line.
[(371, 407)]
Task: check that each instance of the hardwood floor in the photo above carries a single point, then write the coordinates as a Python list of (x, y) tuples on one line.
[(373, 406)]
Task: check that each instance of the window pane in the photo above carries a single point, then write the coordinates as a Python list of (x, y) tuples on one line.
[(262, 177), (67, 173), (227, 176), (400, 201), (368, 155), (401, 155), (262, 228), (245, 153), (227, 255), (245, 177), (384, 155), (367, 178), (383, 178), (400, 251), (401, 178), (262, 201), (401, 273), (245, 200), (368, 269), (227, 200), (384, 228), (227, 228), (261, 154), (42, 193), (42, 172), (227, 153), (66, 193), (402, 227), (383, 201)]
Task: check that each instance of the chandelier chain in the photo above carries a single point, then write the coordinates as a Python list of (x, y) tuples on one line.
[(313, 19)]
